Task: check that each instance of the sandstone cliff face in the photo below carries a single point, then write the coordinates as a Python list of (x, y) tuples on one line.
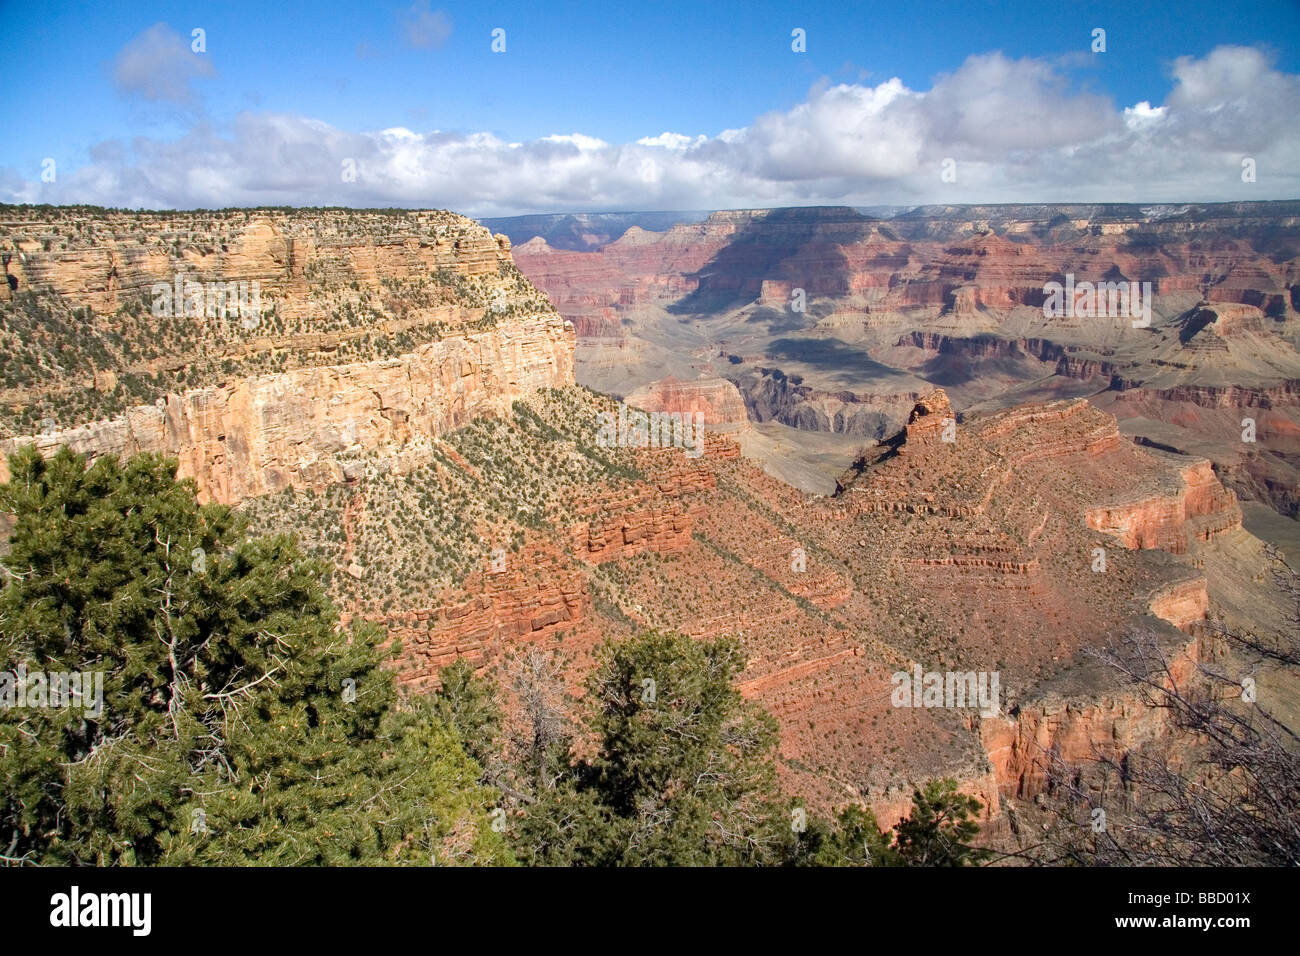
[(1069, 362), (105, 259), (312, 426), (535, 594), (377, 333), (1048, 736), (716, 399), (1184, 604), (542, 592), (942, 259), (646, 517), (771, 395), (1199, 509)]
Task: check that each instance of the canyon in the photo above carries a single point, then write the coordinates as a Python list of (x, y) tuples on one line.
[(832, 320), (424, 420)]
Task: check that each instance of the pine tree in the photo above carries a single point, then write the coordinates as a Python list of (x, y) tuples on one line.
[(468, 704), (684, 770), (240, 722), (939, 830), (854, 839)]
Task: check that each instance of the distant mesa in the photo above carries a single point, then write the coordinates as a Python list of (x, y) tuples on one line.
[(717, 399), (834, 320)]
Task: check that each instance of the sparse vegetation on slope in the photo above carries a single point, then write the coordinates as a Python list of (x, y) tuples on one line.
[(69, 354)]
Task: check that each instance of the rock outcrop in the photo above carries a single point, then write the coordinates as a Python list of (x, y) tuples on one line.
[(374, 333), (1197, 510), (716, 399), (313, 426)]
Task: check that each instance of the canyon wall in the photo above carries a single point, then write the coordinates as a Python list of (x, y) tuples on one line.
[(1056, 736), (312, 426), (104, 258), (830, 320), (1202, 507), (960, 260), (375, 333), (717, 400)]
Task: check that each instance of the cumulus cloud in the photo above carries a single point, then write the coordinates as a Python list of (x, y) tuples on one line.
[(423, 28), (1229, 73), (159, 65), (672, 140), (1015, 129), (1136, 117), (583, 143), (993, 105)]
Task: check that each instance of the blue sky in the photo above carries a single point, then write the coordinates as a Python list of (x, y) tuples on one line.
[(113, 93)]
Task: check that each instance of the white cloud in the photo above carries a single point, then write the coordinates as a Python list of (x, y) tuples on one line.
[(423, 28), (672, 140), (578, 140), (1229, 73), (1142, 113), (993, 106), (1014, 127), (159, 65)]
